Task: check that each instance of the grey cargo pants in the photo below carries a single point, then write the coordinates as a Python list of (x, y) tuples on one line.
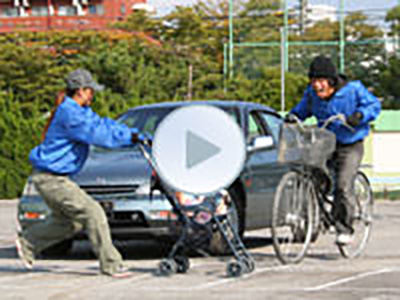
[(71, 211), (346, 161)]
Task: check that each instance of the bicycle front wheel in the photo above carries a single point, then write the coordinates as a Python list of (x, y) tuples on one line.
[(292, 217), (362, 220)]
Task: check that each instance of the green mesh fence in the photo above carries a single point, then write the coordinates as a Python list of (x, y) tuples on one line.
[(268, 33)]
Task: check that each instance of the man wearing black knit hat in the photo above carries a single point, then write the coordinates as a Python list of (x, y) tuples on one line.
[(329, 94)]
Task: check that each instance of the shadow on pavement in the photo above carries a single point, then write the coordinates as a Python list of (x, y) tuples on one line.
[(134, 250), (8, 252)]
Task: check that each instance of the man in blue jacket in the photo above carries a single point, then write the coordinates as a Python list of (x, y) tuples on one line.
[(72, 127), (329, 94)]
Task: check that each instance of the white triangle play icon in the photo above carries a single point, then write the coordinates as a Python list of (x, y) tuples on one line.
[(198, 150)]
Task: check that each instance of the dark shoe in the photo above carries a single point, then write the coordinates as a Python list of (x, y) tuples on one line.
[(24, 254)]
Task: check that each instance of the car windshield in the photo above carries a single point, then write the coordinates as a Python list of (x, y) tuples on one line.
[(148, 119)]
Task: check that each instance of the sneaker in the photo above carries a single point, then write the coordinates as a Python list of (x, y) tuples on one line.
[(23, 255), (121, 273), (344, 239)]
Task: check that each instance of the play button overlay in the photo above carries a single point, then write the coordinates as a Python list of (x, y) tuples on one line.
[(198, 149)]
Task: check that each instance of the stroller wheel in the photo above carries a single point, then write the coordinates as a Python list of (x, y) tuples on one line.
[(183, 263), (235, 268), (168, 267), (249, 264)]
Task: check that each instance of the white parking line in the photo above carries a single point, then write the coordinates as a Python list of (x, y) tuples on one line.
[(348, 279), (228, 280)]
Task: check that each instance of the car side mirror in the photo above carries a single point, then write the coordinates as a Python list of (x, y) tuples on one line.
[(261, 142)]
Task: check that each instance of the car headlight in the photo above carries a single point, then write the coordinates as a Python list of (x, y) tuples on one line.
[(185, 199), (143, 189)]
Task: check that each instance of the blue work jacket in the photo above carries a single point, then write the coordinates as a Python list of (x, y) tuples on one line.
[(73, 128), (352, 97)]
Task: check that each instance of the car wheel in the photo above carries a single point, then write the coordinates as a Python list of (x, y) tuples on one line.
[(218, 244), (59, 249)]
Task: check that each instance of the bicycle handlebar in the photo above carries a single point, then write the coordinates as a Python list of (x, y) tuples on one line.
[(340, 117)]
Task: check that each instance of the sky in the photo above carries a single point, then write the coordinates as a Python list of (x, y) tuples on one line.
[(373, 6)]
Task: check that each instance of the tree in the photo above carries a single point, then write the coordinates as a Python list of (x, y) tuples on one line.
[(389, 72), (393, 17), (363, 61), (390, 83), (18, 135)]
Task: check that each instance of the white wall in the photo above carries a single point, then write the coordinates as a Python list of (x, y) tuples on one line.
[(386, 152)]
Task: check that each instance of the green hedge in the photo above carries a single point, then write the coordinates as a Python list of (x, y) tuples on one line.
[(135, 72)]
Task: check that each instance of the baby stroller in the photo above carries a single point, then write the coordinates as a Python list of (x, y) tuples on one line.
[(199, 217)]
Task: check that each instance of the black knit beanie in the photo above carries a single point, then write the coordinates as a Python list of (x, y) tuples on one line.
[(322, 67)]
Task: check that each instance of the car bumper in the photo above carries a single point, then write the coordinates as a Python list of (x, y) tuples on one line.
[(128, 218)]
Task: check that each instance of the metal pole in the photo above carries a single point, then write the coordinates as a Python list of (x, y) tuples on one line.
[(225, 64), (303, 15), (230, 39), (49, 11), (286, 35), (283, 64), (342, 37), (397, 39), (190, 82)]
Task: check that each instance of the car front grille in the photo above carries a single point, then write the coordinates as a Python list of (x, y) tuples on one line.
[(127, 218), (110, 190)]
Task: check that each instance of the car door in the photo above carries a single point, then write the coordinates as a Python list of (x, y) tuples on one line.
[(264, 171)]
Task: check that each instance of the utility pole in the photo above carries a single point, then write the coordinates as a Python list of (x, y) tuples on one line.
[(190, 82), (49, 13), (230, 39), (286, 34), (342, 42), (303, 15), (283, 69), (397, 38)]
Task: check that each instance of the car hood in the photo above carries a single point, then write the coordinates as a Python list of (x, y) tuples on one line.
[(114, 167)]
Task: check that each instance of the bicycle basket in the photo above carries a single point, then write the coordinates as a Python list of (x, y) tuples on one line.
[(309, 145)]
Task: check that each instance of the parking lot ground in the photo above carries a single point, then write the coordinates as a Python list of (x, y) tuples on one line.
[(324, 274)]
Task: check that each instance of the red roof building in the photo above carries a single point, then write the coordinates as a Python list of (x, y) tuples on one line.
[(41, 15)]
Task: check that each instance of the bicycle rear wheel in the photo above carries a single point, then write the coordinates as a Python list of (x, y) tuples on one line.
[(292, 218), (362, 220)]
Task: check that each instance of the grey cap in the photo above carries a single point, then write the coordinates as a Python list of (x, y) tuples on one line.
[(82, 78)]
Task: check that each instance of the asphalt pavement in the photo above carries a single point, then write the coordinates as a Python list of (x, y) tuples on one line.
[(324, 274)]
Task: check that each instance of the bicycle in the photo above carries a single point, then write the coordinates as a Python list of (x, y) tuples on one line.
[(303, 202)]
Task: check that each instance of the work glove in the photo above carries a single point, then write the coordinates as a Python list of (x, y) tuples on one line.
[(290, 118), (137, 137), (355, 119), (147, 139), (143, 138)]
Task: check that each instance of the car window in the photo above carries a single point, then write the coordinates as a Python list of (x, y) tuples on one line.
[(274, 124), (146, 120), (150, 124), (254, 127), (131, 120), (233, 113)]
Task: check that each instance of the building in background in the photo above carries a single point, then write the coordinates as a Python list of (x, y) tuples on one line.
[(41, 15), (319, 12), (309, 14), (382, 152)]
